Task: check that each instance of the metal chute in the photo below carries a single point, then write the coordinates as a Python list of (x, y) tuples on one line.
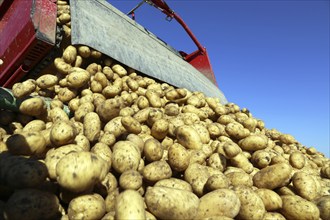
[(103, 27)]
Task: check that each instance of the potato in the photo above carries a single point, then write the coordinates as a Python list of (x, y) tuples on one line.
[(230, 149), (131, 124), (70, 53), (236, 130), (26, 143), (32, 204), (80, 171), (107, 185), (197, 175), (242, 162), (125, 156), (271, 199), (92, 126), (273, 216), (305, 185), (129, 205), (46, 81), (178, 157), (217, 161), (77, 78), (55, 154), (273, 176), (61, 65), (159, 129), (170, 203), (220, 202), (153, 98), (252, 206), (153, 150), (104, 152), (156, 171), (323, 204), (130, 179), (287, 139), (174, 183), (110, 200), (239, 178), (295, 207), (18, 172), (82, 110), (57, 114), (109, 109), (84, 51), (188, 137), (297, 160), (217, 181), (23, 89), (66, 94), (62, 132), (33, 106), (87, 207), (261, 158), (254, 142)]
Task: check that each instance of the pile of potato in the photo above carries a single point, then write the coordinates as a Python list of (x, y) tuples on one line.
[(135, 148)]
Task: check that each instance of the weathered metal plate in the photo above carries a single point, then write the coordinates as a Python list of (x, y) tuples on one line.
[(103, 27)]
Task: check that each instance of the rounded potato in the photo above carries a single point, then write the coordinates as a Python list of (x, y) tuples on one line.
[(62, 132), (252, 206), (220, 202), (104, 152), (130, 179), (55, 154), (46, 81), (129, 205), (273, 216), (297, 160), (70, 53), (273, 176), (33, 106), (87, 207), (217, 181), (271, 199), (170, 203), (156, 171), (32, 204), (178, 157), (323, 203), (125, 156), (295, 207), (80, 171), (153, 150), (35, 126), (239, 178), (78, 78), (197, 175), (26, 143)]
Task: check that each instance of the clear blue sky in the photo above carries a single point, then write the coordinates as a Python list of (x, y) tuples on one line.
[(271, 57)]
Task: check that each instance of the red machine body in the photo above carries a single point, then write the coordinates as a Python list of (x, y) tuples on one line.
[(199, 58), (27, 34)]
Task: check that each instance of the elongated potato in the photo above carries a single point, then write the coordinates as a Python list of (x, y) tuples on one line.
[(221, 202), (92, 126), (271, 199), (129, 205), (273, 176), (33, 106), (156, 171), (26, 143), (170, 203), (188, 137), (295, 207)]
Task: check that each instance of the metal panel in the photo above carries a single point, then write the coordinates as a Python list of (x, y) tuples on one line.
[(103, 27)]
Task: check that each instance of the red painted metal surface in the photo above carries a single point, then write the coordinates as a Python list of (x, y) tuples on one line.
[(27, 33), (199, 59)]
